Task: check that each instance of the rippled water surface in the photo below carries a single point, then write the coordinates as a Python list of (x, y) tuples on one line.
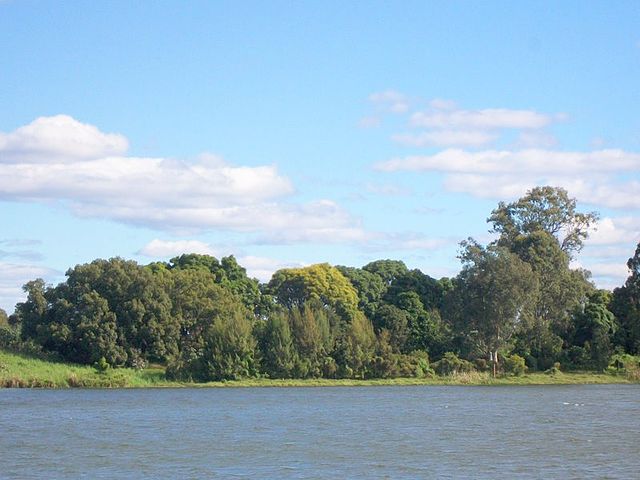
[(326, 433)]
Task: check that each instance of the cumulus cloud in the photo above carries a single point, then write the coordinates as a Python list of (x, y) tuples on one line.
[(387, 189), (441, 138), (443, 123), (420, 242), (321, 222), (536, 139), (168, 248), (611, 242), (370, 121), (442, 104), (13, 276), (391, 101), (491, 118), (607, 192), (612, 231), (131, 181), (536, 161), (406, 241), (59, 138), (607, 275), (500, 174), (261, 268), (60, 160)]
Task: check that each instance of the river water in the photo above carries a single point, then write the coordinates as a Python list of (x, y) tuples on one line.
[(563, 432)]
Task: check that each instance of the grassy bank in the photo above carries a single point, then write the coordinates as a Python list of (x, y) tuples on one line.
[(18, 370)]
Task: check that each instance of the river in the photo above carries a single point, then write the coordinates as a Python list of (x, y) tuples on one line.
[(564, 432)]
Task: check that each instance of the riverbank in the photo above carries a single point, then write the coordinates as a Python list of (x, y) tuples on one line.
[(22, 371)]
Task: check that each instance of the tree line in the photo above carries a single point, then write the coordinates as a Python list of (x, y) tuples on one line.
[(516, 304)]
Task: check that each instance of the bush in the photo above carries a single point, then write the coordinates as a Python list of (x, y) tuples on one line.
[(578, 357), (450, 364), (9, 337), (481, 364), (554, 370), (514, 365), (627, 364), (416, 364), (102, 365)]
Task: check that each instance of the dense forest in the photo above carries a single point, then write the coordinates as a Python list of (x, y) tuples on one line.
[(516, 304)]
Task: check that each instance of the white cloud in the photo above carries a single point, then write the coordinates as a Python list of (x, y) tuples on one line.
[(443, 123), (13, 276), (387, 189), (609, 247), (536, 139), (589, 176), (261, 268), (622, 250), (390, 100), (610, 270), (20, 242), (60, 160), (19, 248), (370, 121), (442, 104), (603, 191), (528, 161), (317, 222), (131, 181), (470, 138), (59, 138), (417, 242), (167, 248), (491, 118), (408, 241), (612, 231)]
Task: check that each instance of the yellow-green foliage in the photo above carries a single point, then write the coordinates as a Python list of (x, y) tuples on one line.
[(321, 282)]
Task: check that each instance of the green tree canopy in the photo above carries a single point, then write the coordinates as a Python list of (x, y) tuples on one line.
[(548, 209), (387, 270), (626, 306), (226, 272), (369, 286), (321, 282), (496, 296), (593, 328)]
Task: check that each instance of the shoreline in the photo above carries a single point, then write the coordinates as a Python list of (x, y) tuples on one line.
[(22, 371)]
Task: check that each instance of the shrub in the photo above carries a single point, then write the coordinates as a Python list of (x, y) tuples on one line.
[(450, 364), (102, 365), (514, 365), (554, 370), (416, 364), (9, 337), (481, 364), (627, 364)]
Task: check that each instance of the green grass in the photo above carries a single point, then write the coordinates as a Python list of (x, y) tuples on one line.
[(18, 370), (462, 379)]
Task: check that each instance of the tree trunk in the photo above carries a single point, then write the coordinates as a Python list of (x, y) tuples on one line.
[(494, 362)]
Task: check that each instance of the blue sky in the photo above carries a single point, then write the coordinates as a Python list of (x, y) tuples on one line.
[(290, 133)]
